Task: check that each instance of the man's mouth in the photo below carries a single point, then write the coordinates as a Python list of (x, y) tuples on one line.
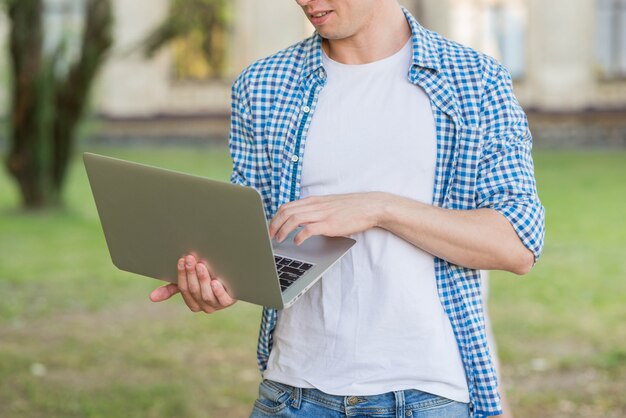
[(319, 17)]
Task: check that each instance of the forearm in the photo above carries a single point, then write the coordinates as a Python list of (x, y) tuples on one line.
[(478, 239)]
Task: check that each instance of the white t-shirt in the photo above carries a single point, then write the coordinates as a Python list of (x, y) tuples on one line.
[(374, 322)]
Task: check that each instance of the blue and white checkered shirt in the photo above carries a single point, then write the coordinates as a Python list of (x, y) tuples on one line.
[(483, 161)]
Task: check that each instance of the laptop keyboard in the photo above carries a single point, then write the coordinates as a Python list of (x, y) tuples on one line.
[(290, 270)]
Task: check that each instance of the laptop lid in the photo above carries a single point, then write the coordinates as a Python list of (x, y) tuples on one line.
[(152, 216)]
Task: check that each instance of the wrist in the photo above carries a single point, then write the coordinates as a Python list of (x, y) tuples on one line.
[(383, 209), (394, 211)]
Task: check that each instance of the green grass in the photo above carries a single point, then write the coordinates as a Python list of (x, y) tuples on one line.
[(78, 338), (561, 329), (107, 350)]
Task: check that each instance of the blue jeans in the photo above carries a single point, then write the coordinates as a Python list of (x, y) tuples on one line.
[(284, 401)]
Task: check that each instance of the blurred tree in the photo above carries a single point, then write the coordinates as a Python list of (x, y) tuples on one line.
[(48, 104), (198, 29)]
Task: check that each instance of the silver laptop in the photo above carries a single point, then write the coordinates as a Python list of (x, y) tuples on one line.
[(152, 216)]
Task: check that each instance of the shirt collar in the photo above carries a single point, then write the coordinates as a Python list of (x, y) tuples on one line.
[(313, 56), (424, 53)]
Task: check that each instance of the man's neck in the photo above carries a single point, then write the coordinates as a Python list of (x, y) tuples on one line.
[(387, 32)]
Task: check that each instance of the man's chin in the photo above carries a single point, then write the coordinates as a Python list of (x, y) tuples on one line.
[(329, 34)]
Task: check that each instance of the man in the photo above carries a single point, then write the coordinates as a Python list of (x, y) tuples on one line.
[(417, 148)]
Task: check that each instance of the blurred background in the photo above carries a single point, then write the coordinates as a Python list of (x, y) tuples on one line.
[(149, 80)]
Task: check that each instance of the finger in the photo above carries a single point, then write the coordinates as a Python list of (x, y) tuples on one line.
[(276, 223), (195, 256), (297, 220), (307, 232), (164, 292), (204, 279), (205, 262), (192, 278), (304, 201), (183, 284), (285, 212), (221, 294)]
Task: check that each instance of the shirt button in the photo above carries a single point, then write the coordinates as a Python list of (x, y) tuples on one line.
[(294, 158), (306, 109)]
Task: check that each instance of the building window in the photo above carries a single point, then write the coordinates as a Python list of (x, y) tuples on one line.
[(611, 38), (496, 27)]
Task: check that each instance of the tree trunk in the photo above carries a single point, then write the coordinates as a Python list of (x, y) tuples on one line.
[(72, 94), (24, 159), (47, 109)]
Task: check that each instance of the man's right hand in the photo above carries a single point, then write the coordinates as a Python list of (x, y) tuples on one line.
[(200, 291)]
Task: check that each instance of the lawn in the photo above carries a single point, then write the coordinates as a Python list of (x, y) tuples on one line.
[(79, 338)]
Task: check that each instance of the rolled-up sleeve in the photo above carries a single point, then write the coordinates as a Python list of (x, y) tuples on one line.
[(506, 180), (240, 137)]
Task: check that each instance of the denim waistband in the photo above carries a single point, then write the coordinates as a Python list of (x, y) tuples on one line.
[(402, 402)]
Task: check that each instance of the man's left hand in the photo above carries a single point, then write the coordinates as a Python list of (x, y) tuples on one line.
[(332, 215)]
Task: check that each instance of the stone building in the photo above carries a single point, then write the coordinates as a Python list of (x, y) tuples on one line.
[(567, 57)]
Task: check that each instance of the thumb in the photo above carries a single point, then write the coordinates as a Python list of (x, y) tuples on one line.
[(164, 292)]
